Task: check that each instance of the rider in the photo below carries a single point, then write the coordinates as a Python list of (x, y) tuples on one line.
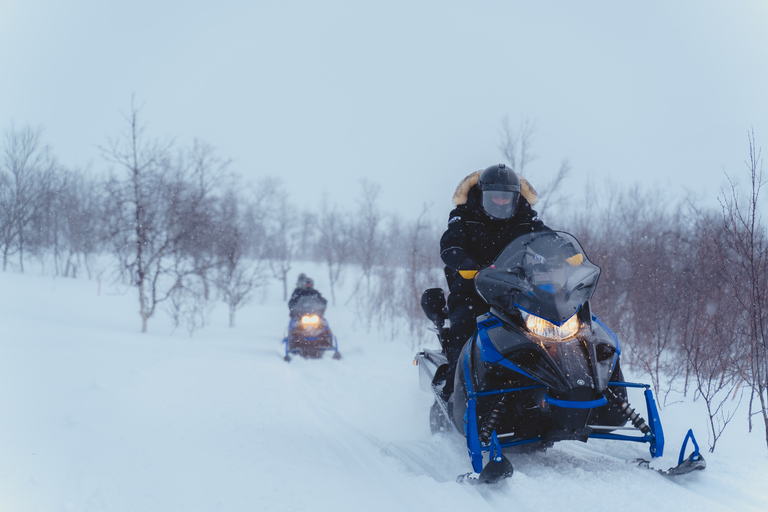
[(493, 207), (304, 288)]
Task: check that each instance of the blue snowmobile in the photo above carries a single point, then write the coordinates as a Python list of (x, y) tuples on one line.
[(309, 334), (540, 367)]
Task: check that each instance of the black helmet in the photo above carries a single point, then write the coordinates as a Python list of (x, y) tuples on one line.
[(500, 187), (304, 281)]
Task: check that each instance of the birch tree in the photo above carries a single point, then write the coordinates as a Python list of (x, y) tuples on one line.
[(25, 166), (157, 208)]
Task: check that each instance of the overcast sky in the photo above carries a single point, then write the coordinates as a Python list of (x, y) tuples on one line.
[(408, 94)]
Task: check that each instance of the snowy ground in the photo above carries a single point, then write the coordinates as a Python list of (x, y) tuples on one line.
[(95, 416)]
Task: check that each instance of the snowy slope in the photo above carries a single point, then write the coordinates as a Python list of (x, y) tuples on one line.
[(95, 416)]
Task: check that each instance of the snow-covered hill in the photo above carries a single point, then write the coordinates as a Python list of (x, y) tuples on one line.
[(95, 416)]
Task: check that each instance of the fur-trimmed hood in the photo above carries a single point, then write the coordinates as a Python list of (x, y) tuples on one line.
[(462, 191)]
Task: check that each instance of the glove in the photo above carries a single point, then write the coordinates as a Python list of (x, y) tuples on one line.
[(468, 268)]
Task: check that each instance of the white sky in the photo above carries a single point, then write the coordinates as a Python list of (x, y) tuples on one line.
[(405, 93)]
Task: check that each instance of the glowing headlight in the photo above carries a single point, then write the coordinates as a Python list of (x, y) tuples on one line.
[(310, 320), (547, 329)]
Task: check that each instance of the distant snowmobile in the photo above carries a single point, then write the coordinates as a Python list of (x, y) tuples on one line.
[(540, 367), (309, 334)]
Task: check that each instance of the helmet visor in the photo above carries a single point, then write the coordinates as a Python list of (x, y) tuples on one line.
[(500, 204)]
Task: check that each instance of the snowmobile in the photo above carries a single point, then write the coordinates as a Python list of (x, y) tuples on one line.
[(540, 367), (309, 334)]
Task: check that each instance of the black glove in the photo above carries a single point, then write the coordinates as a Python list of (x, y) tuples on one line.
[(468, 264)]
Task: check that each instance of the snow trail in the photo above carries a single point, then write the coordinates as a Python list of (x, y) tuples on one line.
[(97, 417)]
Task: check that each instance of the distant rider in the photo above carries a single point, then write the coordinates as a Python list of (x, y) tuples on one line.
[(493, 207), (304, 288)]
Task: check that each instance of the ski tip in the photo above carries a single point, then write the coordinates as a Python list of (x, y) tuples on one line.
[(493, 473), (468, 478), (689, 465)]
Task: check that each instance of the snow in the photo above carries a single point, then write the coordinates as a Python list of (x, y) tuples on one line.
[(95, 416)]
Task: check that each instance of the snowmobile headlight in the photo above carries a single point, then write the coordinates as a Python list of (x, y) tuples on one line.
[(547, 329), (310, 320)]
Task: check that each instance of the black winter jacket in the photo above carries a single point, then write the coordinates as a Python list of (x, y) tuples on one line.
[(473, 240), (295, 302)]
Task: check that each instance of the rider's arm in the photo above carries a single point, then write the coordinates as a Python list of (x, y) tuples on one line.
[(453, 242)]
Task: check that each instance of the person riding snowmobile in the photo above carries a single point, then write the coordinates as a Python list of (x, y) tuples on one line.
[(304, 288), (493, 207)]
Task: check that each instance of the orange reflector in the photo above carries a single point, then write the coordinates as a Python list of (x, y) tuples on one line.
[(576, 260)]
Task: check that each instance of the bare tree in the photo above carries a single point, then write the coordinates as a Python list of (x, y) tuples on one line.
[(25, 167), (237, 275), (601, 230), (516, 147), (307, 234), (157, 207), (334, 243), (549, 193), (744, 257), (47, 222), (659, 246), (516, 144), (78, 228), (707, 336), (187, 302), (201, 173), (369, 218), (422, 271), (283, 239), (408, 263), (715, 381), (642, 244), (138, 202)]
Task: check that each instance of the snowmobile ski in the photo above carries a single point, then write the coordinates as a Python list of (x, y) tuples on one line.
[(497, 469), (693, 462)]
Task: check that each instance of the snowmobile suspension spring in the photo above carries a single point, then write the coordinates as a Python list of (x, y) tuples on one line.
[(492, 421), (628, 411)]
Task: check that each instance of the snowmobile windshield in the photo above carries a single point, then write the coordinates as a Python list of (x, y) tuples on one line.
[(309, 305), (545, 274)]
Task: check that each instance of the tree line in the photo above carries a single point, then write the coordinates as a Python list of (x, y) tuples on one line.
[(684, 287), (686, 290), (183, 231)]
